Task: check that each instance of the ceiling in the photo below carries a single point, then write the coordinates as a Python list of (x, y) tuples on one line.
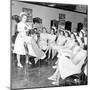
[(69, 7)]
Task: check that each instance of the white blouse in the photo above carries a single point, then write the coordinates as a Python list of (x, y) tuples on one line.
[(22, 28), (60, 40), (51, 39), (67, 67), (43, 41)]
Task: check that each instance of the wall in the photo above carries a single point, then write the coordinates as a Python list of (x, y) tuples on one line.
[(47, 13)]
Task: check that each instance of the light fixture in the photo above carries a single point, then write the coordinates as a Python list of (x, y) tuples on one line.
[(51, 5)]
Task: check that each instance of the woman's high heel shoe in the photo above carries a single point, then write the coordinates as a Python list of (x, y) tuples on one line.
[(52, 78), (55, 83), (19, 65)]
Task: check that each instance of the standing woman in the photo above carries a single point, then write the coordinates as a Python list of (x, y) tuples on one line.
[(15, 20), (22, 29)]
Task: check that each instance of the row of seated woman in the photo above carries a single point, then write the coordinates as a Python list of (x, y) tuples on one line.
[(71, 48), (72, 54)]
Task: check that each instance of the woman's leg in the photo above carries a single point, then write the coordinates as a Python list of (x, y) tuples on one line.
[(18, 59), (56, 65), (36, 59), (57, 75), (57, 79), (53, 53), (49, 52), (54, 76)]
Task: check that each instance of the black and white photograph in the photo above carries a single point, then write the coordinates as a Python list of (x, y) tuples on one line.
[(49, 44)]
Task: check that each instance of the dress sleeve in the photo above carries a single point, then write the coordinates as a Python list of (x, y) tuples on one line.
[(28, 26), (19, 28), (54, 37), (71, 44)]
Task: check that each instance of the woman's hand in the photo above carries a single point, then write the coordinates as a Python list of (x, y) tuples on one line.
[(25, 28), (28, 26)]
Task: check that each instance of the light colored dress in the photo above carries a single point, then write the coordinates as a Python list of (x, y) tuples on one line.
[(85, 40), (67, 49), (80, 42), (19, 43), (86, 70), (14, 23), (43, 41), (51, 39), (33, 49), (67, 41), (67, 67), (51, 43), (60, 40)]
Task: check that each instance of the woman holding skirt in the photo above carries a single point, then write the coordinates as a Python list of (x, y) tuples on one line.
[(22, 28)]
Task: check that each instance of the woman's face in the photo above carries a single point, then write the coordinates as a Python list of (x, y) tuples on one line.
[(66, 34), (51, 31), (80, 34), (24, 18), (44, 30), (61, 33), (32, 35), (27, 33), (72, 36)]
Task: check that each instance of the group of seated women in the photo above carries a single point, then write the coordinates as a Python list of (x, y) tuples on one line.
[(70, 46), (72, 51)]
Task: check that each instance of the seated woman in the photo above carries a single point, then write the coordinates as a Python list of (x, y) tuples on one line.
[(60, 41), (43, 39), (51, 42), (33, 48), (65, 44), (66, 49), (61, 38), (69, 45), (69, 66), (72, 66)]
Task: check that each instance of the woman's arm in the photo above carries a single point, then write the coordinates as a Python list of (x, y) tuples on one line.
[(28, 26), (21, 28), (80, 55)]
